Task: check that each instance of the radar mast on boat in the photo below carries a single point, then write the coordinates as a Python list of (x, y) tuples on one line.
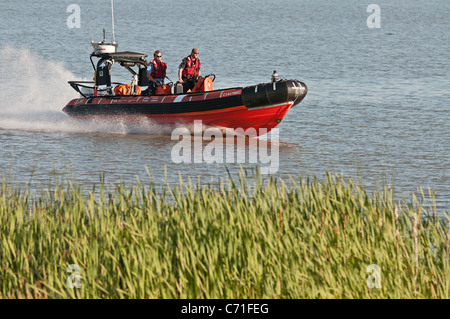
[(105, 47)]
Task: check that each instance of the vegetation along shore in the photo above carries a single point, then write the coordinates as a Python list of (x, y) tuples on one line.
[(251, 237)]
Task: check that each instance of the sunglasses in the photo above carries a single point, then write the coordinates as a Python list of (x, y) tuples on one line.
[(158, 56)]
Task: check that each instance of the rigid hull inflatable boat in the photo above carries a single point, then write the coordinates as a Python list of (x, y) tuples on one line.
[(261, 106)]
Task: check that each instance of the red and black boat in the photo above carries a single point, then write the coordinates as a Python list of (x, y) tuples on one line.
[(261, 106)]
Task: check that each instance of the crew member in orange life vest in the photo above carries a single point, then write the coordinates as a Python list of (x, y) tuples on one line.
[(156, 73), (189, 70)]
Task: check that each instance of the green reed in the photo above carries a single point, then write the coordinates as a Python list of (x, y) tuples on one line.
[(245, 238)]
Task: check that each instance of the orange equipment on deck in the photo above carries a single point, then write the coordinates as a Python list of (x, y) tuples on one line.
[(164, 89), (125, 89), (204, 84)]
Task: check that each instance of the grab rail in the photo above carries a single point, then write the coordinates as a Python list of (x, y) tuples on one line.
[(77, 84)]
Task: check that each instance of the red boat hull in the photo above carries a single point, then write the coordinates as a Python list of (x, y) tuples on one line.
[(260, 107)]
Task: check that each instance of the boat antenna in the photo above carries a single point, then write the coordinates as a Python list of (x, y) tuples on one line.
[(105, 47), (112, 18), (90, 25)]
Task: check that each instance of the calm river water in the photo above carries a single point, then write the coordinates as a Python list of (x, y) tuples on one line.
[(378, 106)]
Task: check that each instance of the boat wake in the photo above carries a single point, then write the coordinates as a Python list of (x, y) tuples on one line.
[(34, 90)]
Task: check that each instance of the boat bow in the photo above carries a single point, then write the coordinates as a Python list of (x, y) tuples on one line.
[(283, 91)]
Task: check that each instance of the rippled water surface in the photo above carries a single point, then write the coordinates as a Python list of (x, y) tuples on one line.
[(377, 106)]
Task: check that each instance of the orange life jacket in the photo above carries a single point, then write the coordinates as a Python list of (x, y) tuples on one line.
[(192, 68), (158, 70)]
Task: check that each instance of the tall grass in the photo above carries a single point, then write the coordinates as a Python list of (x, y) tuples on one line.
[(247, 238)]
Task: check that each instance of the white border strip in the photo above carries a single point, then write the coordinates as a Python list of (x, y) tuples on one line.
[(179, 98), (271, 105)]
